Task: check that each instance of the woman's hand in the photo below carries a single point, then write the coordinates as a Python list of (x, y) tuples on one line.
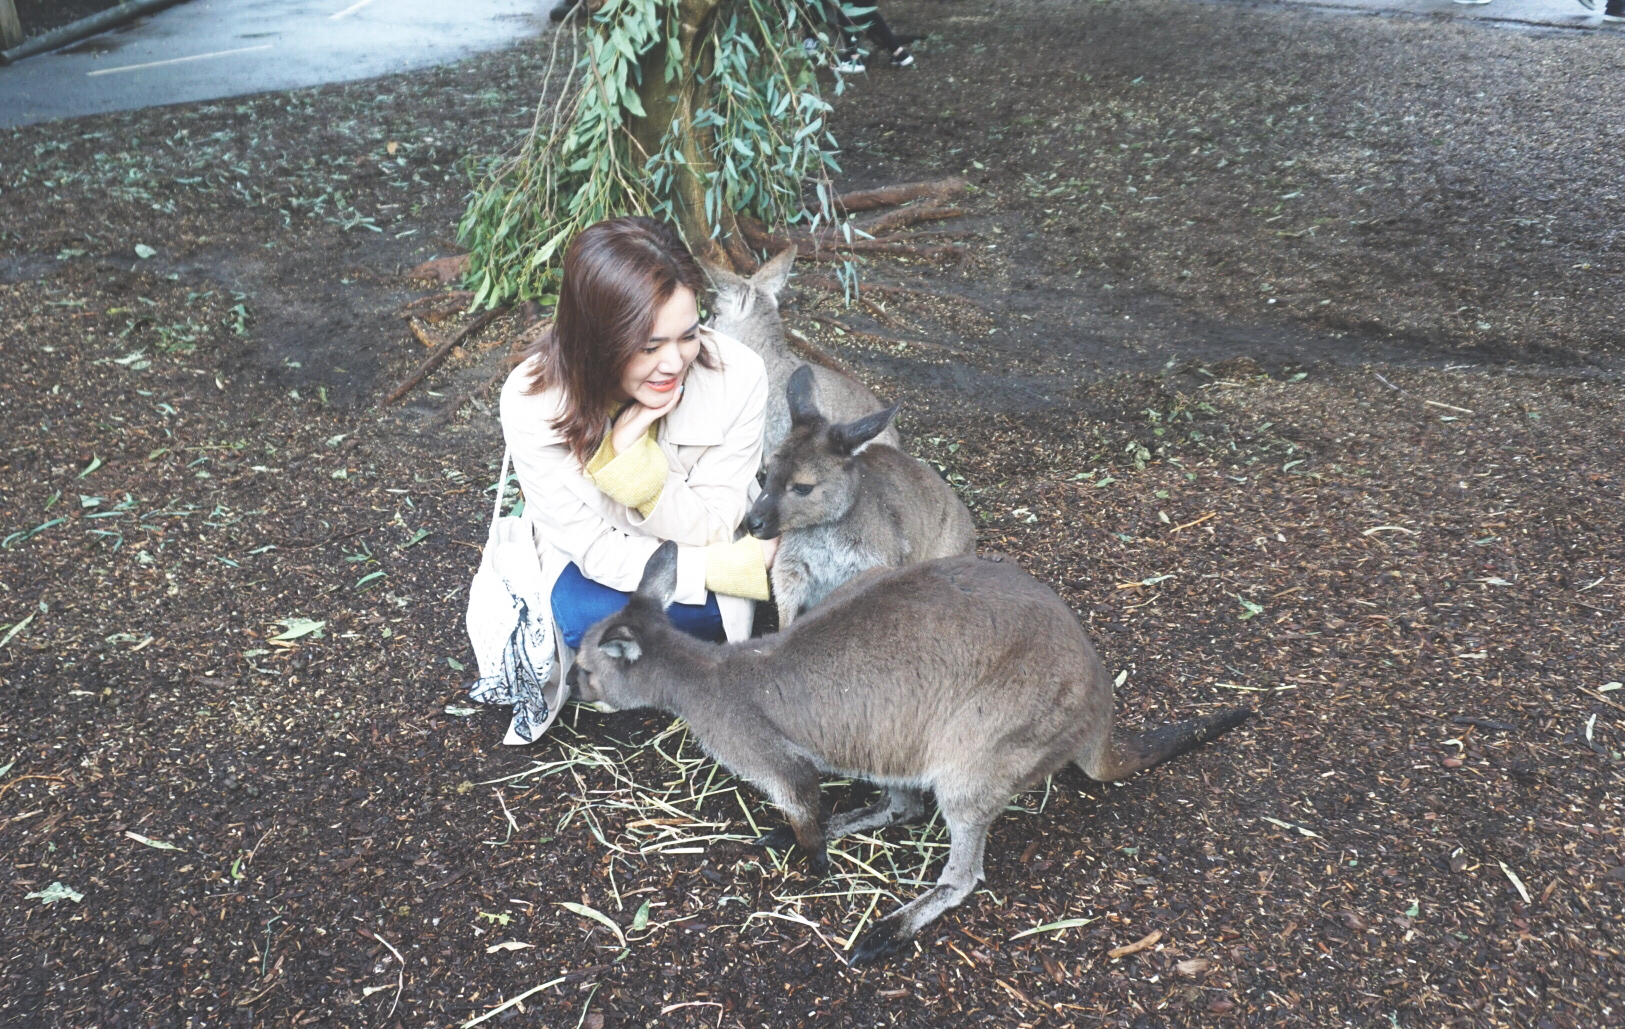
[(632, 423), (770, 550)]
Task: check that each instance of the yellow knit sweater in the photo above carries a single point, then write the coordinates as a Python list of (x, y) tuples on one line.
[(637, 476)]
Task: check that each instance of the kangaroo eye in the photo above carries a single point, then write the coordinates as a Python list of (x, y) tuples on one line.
[(801, 489)]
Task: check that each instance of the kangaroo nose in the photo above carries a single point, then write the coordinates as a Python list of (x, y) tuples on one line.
[(573, 677)]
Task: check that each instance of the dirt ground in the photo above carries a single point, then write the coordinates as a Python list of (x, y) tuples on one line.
[(1284, 343)]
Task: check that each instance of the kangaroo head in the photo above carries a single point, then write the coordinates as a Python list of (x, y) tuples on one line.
[(607, 672), (744, 306), (812, 478)]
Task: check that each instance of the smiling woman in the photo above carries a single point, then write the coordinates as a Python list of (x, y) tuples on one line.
[(630, 424)]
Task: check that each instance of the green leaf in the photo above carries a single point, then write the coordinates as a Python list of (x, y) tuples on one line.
[(596, 915), (1050, 927), (368, 578), (640, 920), (297, 627), (148, 841), (55, 892), (95, 463), (11, 632)]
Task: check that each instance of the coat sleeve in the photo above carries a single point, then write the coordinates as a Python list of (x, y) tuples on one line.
[(708, 505), (563, 506)]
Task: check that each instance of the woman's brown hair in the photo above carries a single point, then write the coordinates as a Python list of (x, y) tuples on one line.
[(617, 274)]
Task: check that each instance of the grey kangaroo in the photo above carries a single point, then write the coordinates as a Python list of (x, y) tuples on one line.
[(748, 310), (964, 676), (841, 508)]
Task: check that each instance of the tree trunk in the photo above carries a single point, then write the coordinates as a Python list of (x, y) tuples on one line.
[(665, 102), (11, 27)]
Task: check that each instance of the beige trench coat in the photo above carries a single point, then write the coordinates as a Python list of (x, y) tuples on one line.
[(713, 444)]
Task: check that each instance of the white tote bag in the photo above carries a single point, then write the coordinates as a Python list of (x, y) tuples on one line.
[(510, 623)]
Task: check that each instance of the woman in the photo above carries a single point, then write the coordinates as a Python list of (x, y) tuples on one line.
[(629, 424)]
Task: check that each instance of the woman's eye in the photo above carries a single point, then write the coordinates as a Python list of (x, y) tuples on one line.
[(801, 489)]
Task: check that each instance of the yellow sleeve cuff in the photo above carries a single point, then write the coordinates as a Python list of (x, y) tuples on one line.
[(737, 569), (635, 477)]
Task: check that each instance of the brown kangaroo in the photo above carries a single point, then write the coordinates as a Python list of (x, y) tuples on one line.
[(748, 310), (842, 502), (964, 677)]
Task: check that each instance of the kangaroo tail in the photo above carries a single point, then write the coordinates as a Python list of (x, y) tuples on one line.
[(1131, 754)]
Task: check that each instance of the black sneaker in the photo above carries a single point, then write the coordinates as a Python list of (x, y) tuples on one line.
[(561, 10), (901, 58), (1615, 11)]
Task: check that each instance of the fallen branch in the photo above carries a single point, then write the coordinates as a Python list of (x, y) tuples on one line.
[(435, 359), (892, 196), (1149, 940)]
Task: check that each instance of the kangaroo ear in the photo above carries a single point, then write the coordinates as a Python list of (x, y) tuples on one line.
[(803, 405), (660, 575), (720, 277), (772, 276), (621, 645), (852, 435)]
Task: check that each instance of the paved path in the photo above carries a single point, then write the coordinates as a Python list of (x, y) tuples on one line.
[(1567, 14), (209, 49)]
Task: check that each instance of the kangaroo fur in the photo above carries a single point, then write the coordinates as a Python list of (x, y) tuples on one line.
[(748, 310), (841, 503), (960, 677)]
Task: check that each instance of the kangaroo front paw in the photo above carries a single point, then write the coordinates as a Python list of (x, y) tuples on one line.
[(881, 942), (782, 838)]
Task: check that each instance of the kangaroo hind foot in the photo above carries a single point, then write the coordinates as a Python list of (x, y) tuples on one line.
[(968, 839)]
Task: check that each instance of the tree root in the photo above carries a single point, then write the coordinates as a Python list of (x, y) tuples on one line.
[(904, 217), (828, 249), (891, 196)]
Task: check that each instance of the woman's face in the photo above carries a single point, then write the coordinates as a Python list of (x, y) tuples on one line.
[(656, 372)]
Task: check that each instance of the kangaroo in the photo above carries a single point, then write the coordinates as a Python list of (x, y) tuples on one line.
[(748, 310), (963, 676), (841, 508)]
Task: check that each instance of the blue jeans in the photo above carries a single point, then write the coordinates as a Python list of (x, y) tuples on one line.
[(579, 603)]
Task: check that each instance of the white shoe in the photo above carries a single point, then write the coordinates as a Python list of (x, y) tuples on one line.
[(855, 65), (1472, 3)]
